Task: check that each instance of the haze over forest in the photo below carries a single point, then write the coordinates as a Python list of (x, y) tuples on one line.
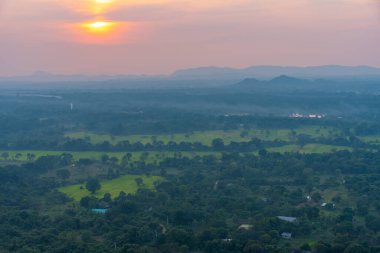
[(184, 126)]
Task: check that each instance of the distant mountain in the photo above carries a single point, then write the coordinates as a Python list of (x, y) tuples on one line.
[(250, 82), (269, 72), (211, 76), (280, 82), (287, 80)]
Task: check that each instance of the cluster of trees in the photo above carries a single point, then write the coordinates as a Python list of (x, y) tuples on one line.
[(201, 206), (217, 145), (203, 201)]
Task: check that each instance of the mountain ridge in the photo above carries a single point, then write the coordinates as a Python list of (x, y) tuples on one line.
[(260, 72), (269, 72)]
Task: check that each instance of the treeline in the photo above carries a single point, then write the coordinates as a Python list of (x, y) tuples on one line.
[(209, 204), (217, 144)]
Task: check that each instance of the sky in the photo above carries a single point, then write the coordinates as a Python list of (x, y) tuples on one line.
[(160, 36)]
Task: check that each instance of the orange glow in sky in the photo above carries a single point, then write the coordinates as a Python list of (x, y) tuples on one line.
[(99, 27), (160, 36), (103, 1), (99, 7), (99, 30)]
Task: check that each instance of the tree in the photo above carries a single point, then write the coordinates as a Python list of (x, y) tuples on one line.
[(218, 144), (63, 174), (305, 247), (114, 160), (316, 196), (253, 247), (107, 198), (85, 162), (18, 156), (139, 181), (93, 185), (321, 247), (244, 134), (346, 215), (355, 248), (373, 223), (126, 159), (66, 159), (181, 236), (85, 202), (31, 157), (144, 156), (263, 152), (5, 155), (105, 158)]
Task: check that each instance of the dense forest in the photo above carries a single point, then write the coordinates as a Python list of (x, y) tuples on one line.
[(235, 168)]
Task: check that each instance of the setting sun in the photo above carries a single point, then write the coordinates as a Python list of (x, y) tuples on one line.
[(100, 31), (99, 27)]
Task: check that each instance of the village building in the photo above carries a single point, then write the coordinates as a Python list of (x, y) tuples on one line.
[(245, 227), (286, 235), (288, 219)]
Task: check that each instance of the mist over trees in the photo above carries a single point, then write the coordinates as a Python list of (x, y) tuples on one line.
[(279, 165)]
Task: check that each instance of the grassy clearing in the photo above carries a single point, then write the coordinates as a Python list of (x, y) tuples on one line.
[(156, 156), (151, 157), (207, 137), (126, 184), (22, 155), (373, 139), (309, 149)]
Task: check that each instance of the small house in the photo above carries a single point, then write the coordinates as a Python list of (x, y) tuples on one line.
[(288, 219), (328, 205), (286, 235), (99, 211), (245, 227)]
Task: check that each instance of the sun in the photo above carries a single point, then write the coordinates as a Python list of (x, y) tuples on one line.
[(99, 27)]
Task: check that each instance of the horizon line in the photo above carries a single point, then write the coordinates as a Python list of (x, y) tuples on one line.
[(41, 73)]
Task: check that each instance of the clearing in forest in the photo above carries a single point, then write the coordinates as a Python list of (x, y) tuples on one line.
[(125, 184)]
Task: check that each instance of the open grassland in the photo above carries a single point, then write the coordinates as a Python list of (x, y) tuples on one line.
[(148, 157), (373, 139), (125, 184), (207, 137), (309, 149), (156, 156)]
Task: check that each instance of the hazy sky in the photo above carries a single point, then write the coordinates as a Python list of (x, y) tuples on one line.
[(160, 36)]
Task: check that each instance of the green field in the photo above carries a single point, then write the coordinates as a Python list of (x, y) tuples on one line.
[(154, 156), (126, 184), (373, 139), (309, 149), (207, 137)]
